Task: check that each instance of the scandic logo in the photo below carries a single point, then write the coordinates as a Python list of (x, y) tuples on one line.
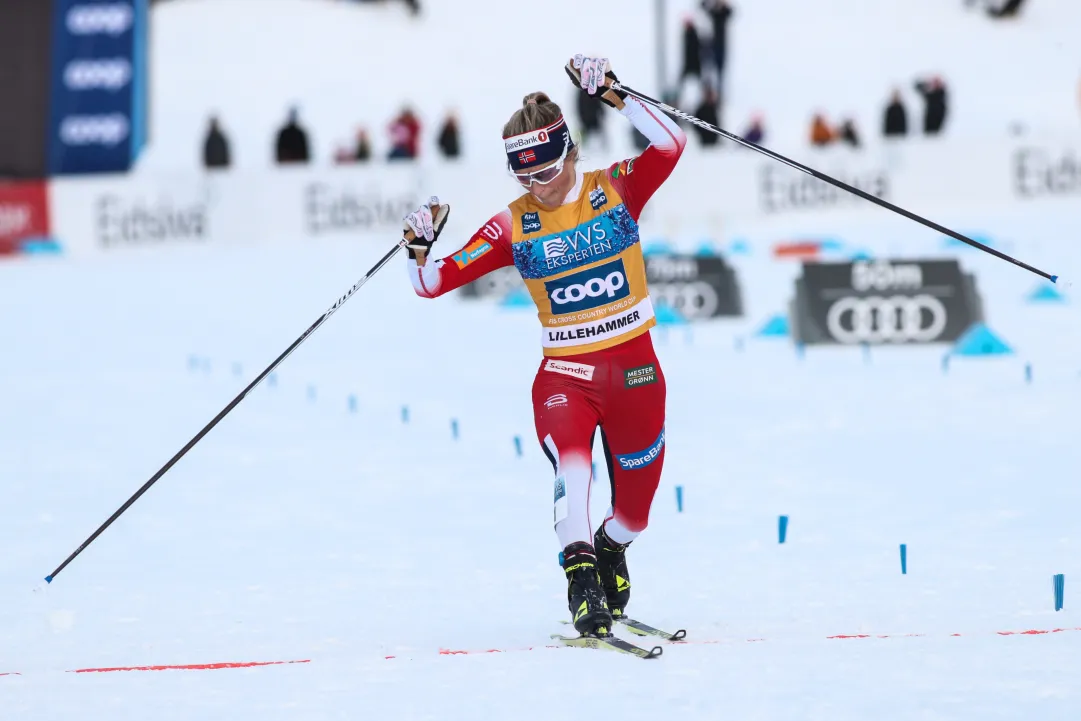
[(471, 252), (634, 461), (569, 368)]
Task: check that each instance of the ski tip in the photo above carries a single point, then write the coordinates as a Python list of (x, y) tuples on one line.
[(48, 579)]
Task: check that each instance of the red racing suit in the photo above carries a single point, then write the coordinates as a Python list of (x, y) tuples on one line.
[(582, 264)]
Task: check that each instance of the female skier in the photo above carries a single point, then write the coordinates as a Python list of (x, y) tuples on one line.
[(573, 236)]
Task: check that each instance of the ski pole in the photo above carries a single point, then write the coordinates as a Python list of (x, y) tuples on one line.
[(616, 85), (233, 404)]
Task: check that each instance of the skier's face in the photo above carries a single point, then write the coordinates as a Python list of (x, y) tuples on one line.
[(553, 193)]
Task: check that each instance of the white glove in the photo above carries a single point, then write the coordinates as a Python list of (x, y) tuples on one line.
[(595, 76), (423, 226)]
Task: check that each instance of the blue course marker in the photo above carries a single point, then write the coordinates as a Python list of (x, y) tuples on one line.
[(352, 403), (193, 362), (782, 528), (904, 558), (1059, 583), (518, 445), (1028, 373), (454, 428), (405, 414), (679, 499)]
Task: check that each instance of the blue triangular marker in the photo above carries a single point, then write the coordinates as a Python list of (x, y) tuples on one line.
[(657, 247), (740, 247), (1046, 294), (775, 327), (706, 249), (667, 315), (979, 340), (955, 244), (518, 298)]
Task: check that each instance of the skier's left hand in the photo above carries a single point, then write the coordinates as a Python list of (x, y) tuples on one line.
[(594, 76)]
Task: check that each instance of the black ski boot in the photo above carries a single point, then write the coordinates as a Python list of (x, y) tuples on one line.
[(612, 566), (589, 611)]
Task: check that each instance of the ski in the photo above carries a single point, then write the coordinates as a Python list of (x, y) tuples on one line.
[(644, 629), (608, 643)]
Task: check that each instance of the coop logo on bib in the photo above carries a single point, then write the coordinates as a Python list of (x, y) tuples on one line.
[(589, 288), (530, 223), (634, 461), (597, 198)]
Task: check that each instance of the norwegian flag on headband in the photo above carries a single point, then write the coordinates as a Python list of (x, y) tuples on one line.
[(537, 147)]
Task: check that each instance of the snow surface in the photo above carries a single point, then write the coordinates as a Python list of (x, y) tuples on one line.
[(298, 531)]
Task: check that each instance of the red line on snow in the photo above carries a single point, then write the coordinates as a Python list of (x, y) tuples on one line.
[(190, 667), (11, 673)]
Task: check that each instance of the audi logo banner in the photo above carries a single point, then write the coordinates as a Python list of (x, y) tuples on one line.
[(697, 287), (98, 88), (884, 302)]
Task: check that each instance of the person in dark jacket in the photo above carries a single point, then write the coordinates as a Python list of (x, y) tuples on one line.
[(719, 12), (215, 147), (692, 51), (448, 137), (292, 145), (848, 133), (934, 94), (591, 118), (756, 131), (708, 110), (895, 122)]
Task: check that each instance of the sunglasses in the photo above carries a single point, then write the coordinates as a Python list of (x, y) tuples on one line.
[(544, 175)]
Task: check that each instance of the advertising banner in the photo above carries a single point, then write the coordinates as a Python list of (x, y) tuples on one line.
[(97, 113), (24, 217), (884, 302)]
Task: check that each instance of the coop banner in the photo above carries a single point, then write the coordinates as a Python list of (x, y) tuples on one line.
[(884, 302), (97, 108)]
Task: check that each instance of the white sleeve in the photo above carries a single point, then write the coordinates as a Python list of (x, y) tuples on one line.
[(659, 129)]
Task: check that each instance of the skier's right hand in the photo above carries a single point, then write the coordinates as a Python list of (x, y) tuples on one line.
[(423, 226)]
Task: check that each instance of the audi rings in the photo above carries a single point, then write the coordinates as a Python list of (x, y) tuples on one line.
[(897, 319)]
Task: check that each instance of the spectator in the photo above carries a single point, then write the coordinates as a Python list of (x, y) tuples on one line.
[(448, 136), (895, 123), (1004, 8), (404, 136), (292, 145), (692, 51), (363, 152), (848, 133), (215, 147), (934, 95), (708, 110), (755, 132), (719, 12), (821, 133), (591, 117)]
